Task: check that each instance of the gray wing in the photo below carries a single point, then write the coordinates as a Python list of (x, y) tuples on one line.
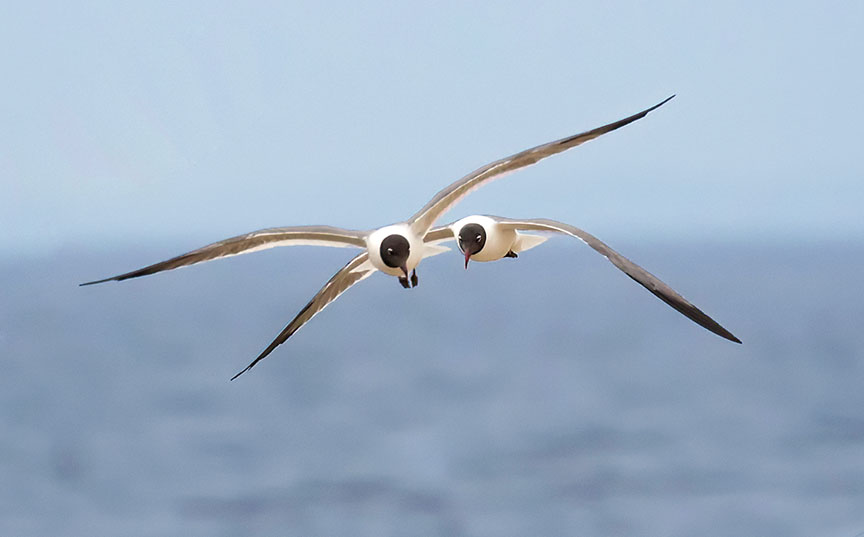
[(356, 270), (438, 234), (640, 275), (253, 242), (447, 198)]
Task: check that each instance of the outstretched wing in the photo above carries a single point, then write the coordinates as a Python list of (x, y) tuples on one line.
[(356, 270), (642, 276), (447, 198), (253, 242)]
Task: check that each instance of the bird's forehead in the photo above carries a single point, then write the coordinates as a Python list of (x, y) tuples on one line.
[(473, 228)]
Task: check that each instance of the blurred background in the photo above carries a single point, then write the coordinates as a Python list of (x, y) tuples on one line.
[(548, 395)]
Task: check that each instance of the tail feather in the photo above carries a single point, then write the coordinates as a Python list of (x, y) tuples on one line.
[(430, 250), (526, 242)]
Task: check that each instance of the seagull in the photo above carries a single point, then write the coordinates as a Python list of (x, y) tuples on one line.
[(395, 249), (490, 238)]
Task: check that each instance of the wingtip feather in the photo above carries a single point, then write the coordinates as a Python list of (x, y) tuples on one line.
[(661, 103), (95, 282), (250, 366), (725, 334)]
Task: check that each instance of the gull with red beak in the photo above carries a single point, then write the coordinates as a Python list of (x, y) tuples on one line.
[(395, 250), (490, 238)]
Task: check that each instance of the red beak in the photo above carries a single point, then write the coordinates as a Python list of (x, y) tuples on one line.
[(467, 258)]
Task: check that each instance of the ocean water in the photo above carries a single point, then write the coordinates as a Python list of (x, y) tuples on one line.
[(548, 395)]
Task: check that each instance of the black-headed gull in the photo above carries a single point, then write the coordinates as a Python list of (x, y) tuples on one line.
[(489, 238)]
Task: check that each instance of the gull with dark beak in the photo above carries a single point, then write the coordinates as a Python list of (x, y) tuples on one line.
[(490, 238), (395, 249)]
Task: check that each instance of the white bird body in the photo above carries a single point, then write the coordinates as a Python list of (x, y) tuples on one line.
[(417, 252), (373, 247), (500, 241)]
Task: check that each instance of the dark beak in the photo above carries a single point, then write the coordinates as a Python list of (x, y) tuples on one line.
[(404, 270), (467, 258)]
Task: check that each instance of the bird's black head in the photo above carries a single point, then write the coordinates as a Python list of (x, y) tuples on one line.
[(394, 252), (471, 239)]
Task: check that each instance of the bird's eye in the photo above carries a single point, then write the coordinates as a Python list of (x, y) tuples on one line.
[(390, 251), (460, 237), (479, 238)]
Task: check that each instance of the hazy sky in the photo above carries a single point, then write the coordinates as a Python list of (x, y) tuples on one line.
[(149, 122)]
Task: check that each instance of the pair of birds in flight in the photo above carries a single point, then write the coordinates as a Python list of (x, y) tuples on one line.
[(397, 249)]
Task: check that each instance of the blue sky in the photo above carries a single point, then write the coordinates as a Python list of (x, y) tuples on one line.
[(149, 122)]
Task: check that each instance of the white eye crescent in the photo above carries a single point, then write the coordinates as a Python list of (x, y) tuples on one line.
[(479, 237), (390, 251)]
